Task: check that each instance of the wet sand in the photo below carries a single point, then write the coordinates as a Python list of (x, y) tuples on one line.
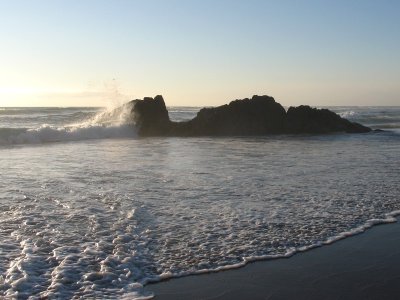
[(365, 266)]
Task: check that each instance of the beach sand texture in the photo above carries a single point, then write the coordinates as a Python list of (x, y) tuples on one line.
[(366, 266)]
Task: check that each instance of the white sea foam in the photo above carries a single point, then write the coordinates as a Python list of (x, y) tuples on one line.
[(112, 123), (46, 134), (101, 220), (390, 218), (348, 114), (375, 117)]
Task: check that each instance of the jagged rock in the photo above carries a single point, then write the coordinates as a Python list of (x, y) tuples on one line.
[(259, 115), (256, 116), (151, 116), (304, 119)]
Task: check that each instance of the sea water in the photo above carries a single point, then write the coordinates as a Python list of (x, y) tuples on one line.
[(90, 210)]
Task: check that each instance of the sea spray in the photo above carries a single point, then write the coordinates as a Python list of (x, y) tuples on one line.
[(109, 123)]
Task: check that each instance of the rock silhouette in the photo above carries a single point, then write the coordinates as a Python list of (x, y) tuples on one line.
[(260, 115)]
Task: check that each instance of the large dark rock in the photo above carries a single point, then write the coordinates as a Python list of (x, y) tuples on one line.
[(256, 116), (304, 119), (259, 115), (151, 116)]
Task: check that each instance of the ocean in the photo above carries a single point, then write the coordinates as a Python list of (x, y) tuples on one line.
[(90, 210)]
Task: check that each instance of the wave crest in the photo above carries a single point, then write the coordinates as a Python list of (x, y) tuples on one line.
[(113, 123)]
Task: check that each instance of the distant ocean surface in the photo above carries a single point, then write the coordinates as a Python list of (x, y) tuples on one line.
[(89, 210)]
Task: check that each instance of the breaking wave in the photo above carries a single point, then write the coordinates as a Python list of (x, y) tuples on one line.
[(375, 117), (113, 123)]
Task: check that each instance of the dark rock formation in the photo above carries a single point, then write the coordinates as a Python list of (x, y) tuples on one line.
[(256, 116), (151, 116), (259, 115), (304, 119)]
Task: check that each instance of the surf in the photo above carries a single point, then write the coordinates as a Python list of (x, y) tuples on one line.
[(106, 124)]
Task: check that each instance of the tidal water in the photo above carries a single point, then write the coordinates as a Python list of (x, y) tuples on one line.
[(89, 210)]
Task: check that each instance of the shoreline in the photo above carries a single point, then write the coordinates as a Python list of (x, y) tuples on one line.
[(363, 266)]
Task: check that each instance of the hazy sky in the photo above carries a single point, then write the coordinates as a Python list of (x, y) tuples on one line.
[(195, 53)]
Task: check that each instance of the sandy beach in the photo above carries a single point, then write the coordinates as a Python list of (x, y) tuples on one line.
[(365, 266)]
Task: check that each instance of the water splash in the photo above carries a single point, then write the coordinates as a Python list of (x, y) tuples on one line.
[(109, 123)]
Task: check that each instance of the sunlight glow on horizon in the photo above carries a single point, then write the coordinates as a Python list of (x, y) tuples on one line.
[(13, 91), (199, 53)]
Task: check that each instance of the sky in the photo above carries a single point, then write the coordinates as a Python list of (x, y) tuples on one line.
[(199, 53)]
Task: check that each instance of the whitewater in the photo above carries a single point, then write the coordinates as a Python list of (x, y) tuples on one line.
[(90, 210)]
